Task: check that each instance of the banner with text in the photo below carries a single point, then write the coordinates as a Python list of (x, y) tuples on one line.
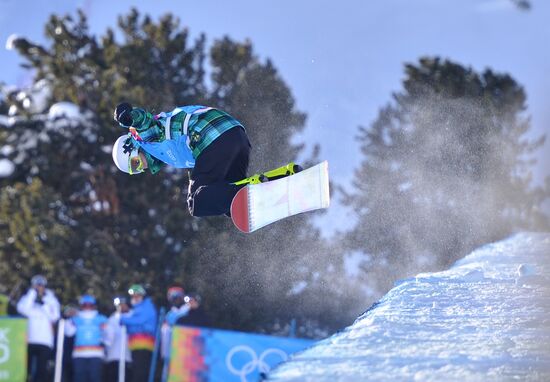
[(211, 355), (13, 349)]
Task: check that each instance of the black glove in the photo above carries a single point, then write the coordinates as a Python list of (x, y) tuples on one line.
[(122, 114)]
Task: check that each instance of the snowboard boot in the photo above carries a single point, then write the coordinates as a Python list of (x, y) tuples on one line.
[(278, 173)]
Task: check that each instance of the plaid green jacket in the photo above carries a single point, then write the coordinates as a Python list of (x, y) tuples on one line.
[(203, 128)]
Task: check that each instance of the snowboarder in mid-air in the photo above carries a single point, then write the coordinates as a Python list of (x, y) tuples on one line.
[(209, 141)]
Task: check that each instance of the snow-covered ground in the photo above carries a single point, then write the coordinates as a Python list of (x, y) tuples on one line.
[(485, 319)]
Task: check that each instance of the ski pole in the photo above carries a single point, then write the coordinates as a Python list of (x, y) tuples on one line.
[(167, 354), (156, 349), (122, 358), (59, 350), (165, 368)]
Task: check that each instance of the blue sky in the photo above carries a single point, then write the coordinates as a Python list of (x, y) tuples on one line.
[(342, 59)]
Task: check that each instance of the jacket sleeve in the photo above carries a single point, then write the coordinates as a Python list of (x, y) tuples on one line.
[(173, 316), (153, 164), (70, 328), (141, 119), (25, 304), (110, 330), (137, 317), (51, 306)]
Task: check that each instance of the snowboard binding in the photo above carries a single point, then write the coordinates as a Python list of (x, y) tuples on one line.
[(278, 173)]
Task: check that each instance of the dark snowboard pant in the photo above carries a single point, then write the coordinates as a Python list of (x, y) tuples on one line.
[(87, 369), (141, 364), (110, 372), (39, 358), (224, 161)]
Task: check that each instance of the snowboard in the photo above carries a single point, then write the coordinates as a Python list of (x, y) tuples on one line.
[(257, 205)]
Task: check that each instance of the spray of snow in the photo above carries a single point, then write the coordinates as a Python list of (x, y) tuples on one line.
[(442, 194)]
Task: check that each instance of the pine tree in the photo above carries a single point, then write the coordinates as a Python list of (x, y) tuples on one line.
[(33, 239), (137, 229), (446, 167)]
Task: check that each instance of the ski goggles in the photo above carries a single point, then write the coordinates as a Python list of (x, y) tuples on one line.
[(135, 162)]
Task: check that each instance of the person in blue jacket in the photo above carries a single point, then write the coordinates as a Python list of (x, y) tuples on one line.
[(141, 324), (87, 327)]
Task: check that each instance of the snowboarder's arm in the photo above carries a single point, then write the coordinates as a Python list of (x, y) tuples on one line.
[(141, 119)]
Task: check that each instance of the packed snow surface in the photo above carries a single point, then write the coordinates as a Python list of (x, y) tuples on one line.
[(485, 319)]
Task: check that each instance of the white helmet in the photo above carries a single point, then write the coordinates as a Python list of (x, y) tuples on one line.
[(121, 156), (123, 150)]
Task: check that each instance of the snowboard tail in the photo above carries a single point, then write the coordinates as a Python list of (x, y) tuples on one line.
[(257, 205)]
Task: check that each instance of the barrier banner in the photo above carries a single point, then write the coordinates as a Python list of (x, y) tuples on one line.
[(13, 349), (211, 355)]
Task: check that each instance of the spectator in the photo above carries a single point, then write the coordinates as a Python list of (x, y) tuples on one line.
[(141, 324), (87, 327), (196, 315), (42, 310), (113, 338), (178, 308)]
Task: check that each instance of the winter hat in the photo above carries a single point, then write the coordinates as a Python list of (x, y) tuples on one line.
[(136, 289), (175, 292), (87, 299), (39, 280)]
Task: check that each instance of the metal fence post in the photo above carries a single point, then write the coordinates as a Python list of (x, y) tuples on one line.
[(59, 351), (122, 358), (153, 367)]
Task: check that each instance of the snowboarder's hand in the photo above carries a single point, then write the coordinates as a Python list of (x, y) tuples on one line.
[(122, 114)]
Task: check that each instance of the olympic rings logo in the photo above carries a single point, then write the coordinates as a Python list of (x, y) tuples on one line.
[(255, 361)]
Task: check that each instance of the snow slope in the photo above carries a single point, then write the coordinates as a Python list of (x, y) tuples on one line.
[(485, 319)]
